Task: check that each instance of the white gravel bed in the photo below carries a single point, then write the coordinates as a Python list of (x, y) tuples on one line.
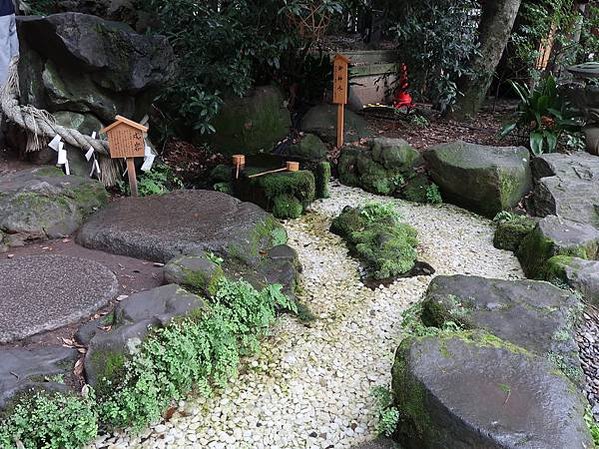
[(311, 385)]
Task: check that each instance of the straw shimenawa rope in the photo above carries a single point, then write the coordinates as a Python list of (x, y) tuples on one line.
[(40, 127)]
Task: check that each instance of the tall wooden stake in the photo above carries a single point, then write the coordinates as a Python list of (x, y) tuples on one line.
[(340, 125), (132, 176)]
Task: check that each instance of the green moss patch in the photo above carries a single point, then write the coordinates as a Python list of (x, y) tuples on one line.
[(386, 247), (510, 233)]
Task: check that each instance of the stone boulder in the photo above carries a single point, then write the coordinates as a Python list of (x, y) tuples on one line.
[(566, 185), (322, 121), (580, 274), (556, 236), (184, 222), (196, 273), (510, 233), (483, 179), (130, 323), (536, 316), (473, 390), (252, 124), (85, 70), (42, 368), (42, 203), (310, 148), (381, 168)]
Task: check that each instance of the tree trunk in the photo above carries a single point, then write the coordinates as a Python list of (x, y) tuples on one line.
[(495, 27)]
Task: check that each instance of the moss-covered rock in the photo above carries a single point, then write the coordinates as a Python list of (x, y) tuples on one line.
[(42, 203), (323, 179), (554, 236), (309, 148), (386, 247), (252, 124), (287, 206), (510, 233), (580, 274), (322, 121), (480, 178), (438, 382), (197, 273)]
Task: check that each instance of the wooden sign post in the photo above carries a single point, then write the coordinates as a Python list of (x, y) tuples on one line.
[(126, 140), (340, 94)]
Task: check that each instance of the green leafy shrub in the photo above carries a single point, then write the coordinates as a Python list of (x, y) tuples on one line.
[(543, 116), (375, 235), (194, 352), (158, 181), (49, 420), (388, 415), (433, 194)]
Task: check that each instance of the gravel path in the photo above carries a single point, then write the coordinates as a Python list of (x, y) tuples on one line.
[(310, 387)]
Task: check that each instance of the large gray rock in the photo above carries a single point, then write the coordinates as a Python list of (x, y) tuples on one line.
[(252, 124), (580, 274), (322, 121), (131, 322), (23, 369), (536, 316), (480, 178), (114, 55), (42, 203), (472, 390), (567, 185), (185, 222), (45, 292), (556, 236)]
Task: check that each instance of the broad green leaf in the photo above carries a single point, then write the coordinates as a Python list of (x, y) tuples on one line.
[(536, 142)]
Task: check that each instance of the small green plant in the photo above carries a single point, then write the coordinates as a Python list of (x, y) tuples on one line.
[(214, 258), (433, 194), (388, 414), (157, 181), (419, 121), (375, 211), (543, 115), (592, 425), (47, 420), (195, 352), (504, 216)]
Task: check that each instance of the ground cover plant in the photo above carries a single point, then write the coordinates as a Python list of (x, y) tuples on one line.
[(375, 234), (200, 352)]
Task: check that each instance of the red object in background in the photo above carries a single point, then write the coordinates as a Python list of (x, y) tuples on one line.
[(401, 98)]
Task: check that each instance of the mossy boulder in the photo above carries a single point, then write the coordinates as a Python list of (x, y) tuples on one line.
[(133, 319), (483, 179), (41, 203), (510, 233), (309, 148), (286, 194), (471, 390), (323, 179), (580, 274), (554, 236), (322, 121), (252, 124), (385, 246), (381, 168), (534, 315), (196, 273)]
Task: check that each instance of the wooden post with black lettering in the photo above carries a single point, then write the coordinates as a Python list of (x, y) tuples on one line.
[(126, 139), (340, 93)]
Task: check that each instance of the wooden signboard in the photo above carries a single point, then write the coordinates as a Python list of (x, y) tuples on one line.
[(340, 93), (126, 140)]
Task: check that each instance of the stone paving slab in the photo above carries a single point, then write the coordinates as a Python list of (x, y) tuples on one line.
[(186, 222), (45, 292)]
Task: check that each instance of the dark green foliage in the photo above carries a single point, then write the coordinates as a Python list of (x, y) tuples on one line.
[(543, 116), (158, 181), (511, 230), (323, 179), (45, 420), (437, 39), (374, 234), (287, 206), (195, 352)]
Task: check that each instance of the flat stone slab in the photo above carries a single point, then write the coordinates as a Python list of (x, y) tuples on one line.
[(567, 185), (186, 222), (471, 390), (45, 292), (22, 369), (536, 316), (42, 203)]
